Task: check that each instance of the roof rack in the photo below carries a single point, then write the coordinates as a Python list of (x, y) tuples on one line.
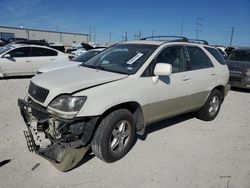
[(167, 38), (198, 41)]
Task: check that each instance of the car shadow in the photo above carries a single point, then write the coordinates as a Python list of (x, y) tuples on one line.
[(165, 124), (242, 90), (149, 129), (16, 77)]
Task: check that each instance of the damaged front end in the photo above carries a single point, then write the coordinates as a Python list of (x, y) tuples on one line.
[(61, 141)]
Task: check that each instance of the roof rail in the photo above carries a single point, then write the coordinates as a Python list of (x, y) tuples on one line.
[(167, 38), (198, 41)]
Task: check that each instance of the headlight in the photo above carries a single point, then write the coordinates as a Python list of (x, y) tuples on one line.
[(66, 106)]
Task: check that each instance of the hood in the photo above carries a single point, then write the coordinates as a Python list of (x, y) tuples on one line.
[(58, 65), (239, 65), (73, 79)]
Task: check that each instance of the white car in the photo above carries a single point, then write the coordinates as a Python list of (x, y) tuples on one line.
[(22, 59), (78, 52), (74, 62), (104, 102)]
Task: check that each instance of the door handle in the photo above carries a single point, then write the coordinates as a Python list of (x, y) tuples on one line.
[(27, 61)]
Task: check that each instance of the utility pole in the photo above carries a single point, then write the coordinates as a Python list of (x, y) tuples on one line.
[(126, 36), (198, 26), (231, 38), (90, 33), (94, 35), (182, 24), (138, 36), (110, 35)]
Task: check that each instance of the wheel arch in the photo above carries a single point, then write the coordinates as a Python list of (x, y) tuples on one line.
[(221, 88), (134, 108)]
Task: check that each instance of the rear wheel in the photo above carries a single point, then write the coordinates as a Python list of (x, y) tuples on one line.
[(115, 136), (212, 106)]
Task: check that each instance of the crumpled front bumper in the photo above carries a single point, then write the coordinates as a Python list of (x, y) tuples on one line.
[(63, 156)]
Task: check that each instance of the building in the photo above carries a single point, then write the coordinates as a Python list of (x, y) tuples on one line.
[(56, 37)]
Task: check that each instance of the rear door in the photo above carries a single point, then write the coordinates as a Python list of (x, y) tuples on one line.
[(202, 74), (42, 56), (19, 62)]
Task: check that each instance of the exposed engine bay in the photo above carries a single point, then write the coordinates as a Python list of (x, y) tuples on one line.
[(58, 140)]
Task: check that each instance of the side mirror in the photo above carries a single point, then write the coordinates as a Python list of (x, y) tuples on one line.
[(6, 56), (161, 69)]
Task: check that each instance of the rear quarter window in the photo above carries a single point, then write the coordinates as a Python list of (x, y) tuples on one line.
[(216, 54), (198, 59), (38, 52)]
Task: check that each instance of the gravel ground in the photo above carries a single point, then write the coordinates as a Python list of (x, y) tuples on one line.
[(180, 152)]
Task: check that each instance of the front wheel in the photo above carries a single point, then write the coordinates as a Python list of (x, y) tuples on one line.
[(212, 106), (114, 136)]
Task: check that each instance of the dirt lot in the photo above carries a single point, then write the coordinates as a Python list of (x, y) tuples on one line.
[(180, 152)]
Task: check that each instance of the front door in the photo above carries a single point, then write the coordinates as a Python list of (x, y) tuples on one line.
[(170, 95), (18, 62)]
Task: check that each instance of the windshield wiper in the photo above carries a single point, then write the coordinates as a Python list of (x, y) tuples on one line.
[(99, 67)]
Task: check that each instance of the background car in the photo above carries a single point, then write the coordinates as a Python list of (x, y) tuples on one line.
[(228, 50), (3, 42), (223, 53), (239, 65), (16, 39), (32, 42), (21, 59), (74, 62), (78, 52)]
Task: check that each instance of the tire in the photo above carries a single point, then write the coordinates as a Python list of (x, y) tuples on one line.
[(114, 136), (211, 108)]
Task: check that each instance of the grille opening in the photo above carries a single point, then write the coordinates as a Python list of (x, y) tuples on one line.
[(38, 93)]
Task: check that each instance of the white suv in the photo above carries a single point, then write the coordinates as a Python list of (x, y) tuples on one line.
[(103, 103)]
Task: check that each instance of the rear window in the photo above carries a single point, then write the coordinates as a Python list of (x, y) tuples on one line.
[(217, 55)]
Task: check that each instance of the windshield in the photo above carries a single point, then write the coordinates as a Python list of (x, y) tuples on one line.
[(86, 56), (122, 58), (240, 55)]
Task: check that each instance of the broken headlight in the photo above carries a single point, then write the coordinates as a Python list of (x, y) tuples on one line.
[(66, 106)]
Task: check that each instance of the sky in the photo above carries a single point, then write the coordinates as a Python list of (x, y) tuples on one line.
[(106, 20)]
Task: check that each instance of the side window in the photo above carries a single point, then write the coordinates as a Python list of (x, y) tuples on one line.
[(198, 59), (173, 55), (217, 55), (48, 52), (35, 52), (20, 52)]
